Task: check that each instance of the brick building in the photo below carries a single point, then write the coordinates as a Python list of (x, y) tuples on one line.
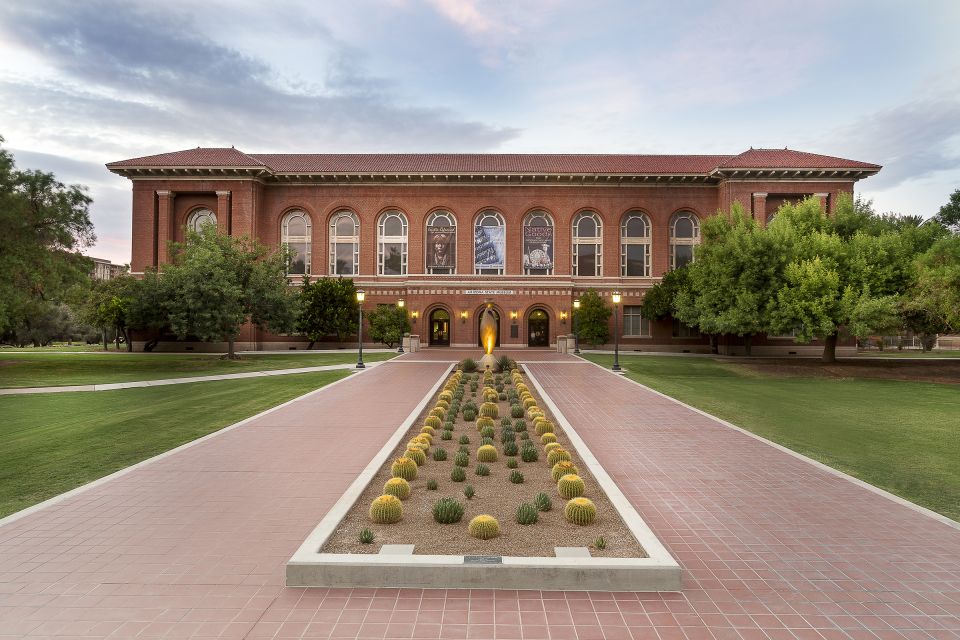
[(447, 231)]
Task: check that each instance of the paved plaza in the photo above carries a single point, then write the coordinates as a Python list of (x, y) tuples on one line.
[(193, 545)]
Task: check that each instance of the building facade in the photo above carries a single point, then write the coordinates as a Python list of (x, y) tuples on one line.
[(446, 232), (106, 270)]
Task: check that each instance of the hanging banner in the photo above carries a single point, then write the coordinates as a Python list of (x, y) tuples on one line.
[(488, 244), (441, 247), (538, 247)]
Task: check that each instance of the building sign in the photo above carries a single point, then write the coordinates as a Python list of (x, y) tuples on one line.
[(538, 247), (489, 292), (441, 247), (488, 247)]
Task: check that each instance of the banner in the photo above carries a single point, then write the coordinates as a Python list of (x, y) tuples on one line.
[(441, 247), (488, 244), (538, 247)]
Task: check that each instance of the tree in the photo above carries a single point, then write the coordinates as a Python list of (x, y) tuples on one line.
[(658, 302), (43, 224), (935, 295), (593, 319), (388, 323), (146, 306), (949, 214), (328, 307), (216, 283)]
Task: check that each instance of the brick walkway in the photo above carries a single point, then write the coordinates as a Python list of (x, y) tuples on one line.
[(194, 545)]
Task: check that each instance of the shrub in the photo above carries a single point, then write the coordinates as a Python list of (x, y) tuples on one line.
[(600, 543), (468, 365), (505, 364), (510, 448), (386, 510), (544, 426), (558, 454), (542, 502), (469, 415), (469, 492), (447, 511), (489, 410), (464, 439), (570, 486), (461, 459), (446, 435), (482, 470), (529, 454), (404, 468), (432, 484), (516, 477), (458, 474), (563, 468), (397, 487), (580, 511), (487, 453), (527, 514), (516, 411), (366, 536), (417, 455), (484, 527), (439, 454), (512, 463), (547, 438)]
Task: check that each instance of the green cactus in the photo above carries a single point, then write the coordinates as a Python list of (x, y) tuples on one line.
[(485, 423), (446, 435), (489, 410), (527, 514), (404, 468), (484, 527), (458, 474), (482, 470), (447, 511), (558, 454), (600, 544), (432, 484), (486, 441), (543, 502), (520, 425), (469, 415), (506, 422), (516, 411), (580, 511), (386, 510), (397, 487), (510, 448), (439, 454), (464, 439), (469, 492), (516, 477), (508, 435), (487, 453), (417, 455), (529, 454), (487, 432), (461, 459), (562, 468), (366, 536), (570, 486)]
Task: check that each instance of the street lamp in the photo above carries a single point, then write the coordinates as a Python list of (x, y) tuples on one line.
[(576, 337), (360, 296), (401, 303), (616, 330)]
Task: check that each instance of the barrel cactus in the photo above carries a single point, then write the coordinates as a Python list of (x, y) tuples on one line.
[(547, 438), (483, 527), (563, 468), (544, 426), (386, 510), (516, 411), (433, 421), (404, 468), (397, 487), (519, 425), (446, 396), (428, 430), (550, 446), (570, 486), (580, 511), (417, 455), (443, 404), (487, 453), (520, 386), (529, 403), (527, 514), (447, 511), (485, 422), (469, 414), (489, 409), (558, 454), (487, 432)]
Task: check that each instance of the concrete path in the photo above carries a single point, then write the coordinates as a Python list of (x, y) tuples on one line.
[(194, 545), (159, 383)]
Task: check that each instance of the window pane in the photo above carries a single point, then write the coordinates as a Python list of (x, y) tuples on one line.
[(683, 255), (297, 226), (683, 228), (392, 259), (392, 226), (636, 228), (344, 264), (587, 228), (636, 259), (586, 259), (345, 226), (298, 254)]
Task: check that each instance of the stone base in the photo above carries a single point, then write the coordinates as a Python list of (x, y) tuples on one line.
[(487, 361)]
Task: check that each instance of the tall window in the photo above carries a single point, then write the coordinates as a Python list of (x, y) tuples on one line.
[(200, 217), (635, 245), (392, 245), (684, 235), (587, 245), (489, 244), (634, 324), (344, 244), (295, 233), (441, 245), (538, 244)]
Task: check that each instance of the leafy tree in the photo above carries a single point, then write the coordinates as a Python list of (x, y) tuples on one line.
[(949, 214), (936, 293), (146, 304), (43, 224), (216, 283), (388, 323), (658, 302), (328, 307), (593, 319)]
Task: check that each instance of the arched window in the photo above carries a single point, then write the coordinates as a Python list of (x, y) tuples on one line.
[(200, 217), (392, 244), (635, 245), (684, 235), (538, 244), (587, 245), (344, 244), (295, 233), (489, 244), (441, 245)]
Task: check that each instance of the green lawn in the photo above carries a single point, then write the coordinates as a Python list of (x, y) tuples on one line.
[(898, 435), (57, 441), (53, 369)]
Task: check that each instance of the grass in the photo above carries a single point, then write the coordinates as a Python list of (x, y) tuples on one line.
[(53, 369), (55, 442), (901, 436)]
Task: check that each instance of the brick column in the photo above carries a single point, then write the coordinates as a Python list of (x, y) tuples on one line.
[(760, 208), (164, 224), (223, 212), (823, 200)]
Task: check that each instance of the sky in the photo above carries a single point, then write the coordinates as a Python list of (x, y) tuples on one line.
[(91, 82)]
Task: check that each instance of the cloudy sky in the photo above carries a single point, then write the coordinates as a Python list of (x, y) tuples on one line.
[(83, 83)]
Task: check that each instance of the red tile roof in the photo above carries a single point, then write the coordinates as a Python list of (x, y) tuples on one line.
[(199, 157), (790, 159)]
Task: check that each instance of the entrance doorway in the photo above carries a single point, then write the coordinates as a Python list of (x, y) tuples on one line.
[(538, 329), (479, 318), (439, 328)]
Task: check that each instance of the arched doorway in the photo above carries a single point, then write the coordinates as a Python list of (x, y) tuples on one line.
[(538, 329), (439, 328), (496, 314)]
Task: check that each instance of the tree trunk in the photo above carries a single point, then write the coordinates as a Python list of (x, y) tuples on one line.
[(126, 337), (231, 354), (310, 346), (830, 348), (150, 345), (106, 343), (748, 344), (713, 343)]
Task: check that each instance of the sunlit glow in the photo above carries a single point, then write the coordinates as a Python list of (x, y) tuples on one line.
[(616, 297)]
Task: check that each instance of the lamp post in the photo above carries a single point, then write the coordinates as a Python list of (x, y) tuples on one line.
[(616, 330), (360, 296), (401, 303), (576, 336)]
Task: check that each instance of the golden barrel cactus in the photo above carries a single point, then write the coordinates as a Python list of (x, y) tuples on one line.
[(386, 510), (484, 527), (580, 511)]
